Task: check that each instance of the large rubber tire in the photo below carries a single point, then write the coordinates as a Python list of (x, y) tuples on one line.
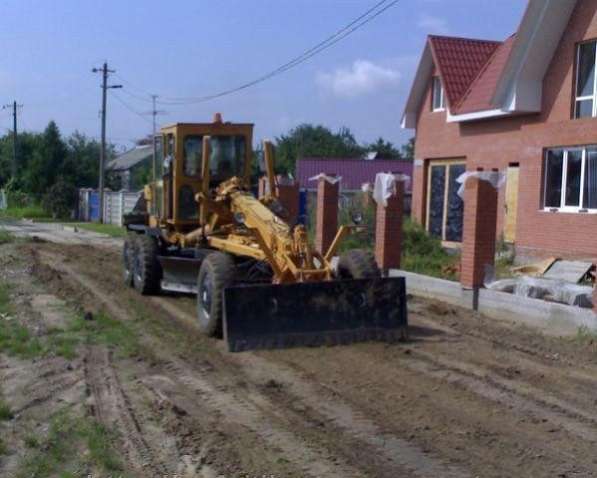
[(128, 259), (216, 273), (357, 264), (148, 272)]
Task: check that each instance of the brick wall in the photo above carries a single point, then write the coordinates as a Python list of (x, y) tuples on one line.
[(522, 140), (326, 218), (388, 230), (478, 245), (289, 196)]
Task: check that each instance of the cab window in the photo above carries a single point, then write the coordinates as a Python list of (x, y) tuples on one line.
[(227, 157), (193, 146)]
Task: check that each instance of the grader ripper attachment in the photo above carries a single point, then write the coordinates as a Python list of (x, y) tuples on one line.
[(198, 229)]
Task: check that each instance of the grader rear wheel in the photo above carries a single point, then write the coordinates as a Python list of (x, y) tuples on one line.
[(128, 259), (147, 270)]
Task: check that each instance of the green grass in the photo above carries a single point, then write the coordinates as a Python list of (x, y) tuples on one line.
[(72, 444), (27, 212), (6, 237), (5, 411), (424, 254), (109, 229), (16, 340), (3, 449)]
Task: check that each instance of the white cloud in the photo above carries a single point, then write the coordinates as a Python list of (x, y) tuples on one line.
[(432, 24), (363, 77)]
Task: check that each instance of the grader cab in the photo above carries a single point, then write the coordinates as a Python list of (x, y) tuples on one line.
[(257, 278)]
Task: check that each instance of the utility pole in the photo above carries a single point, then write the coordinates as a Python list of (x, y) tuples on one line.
[(105, 73), (15, 164), (154, 112)]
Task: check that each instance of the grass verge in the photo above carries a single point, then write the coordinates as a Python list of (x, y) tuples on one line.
[(27, 212), (72, 444), (17, 340), (109, 229)]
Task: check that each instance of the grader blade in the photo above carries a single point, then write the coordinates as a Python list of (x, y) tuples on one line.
[(312, 314)]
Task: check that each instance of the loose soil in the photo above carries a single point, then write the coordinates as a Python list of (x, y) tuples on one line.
[(465, 397)]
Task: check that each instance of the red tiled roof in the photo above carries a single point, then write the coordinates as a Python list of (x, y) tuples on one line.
[(459, 61), (479, 94)]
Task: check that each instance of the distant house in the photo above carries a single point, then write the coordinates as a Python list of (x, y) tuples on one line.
[(526, 106), (354, 171), (131, 167)]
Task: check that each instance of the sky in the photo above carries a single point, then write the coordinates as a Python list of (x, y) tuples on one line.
[(191, 48)]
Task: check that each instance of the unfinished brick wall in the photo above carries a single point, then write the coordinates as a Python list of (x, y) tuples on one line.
[(289, 196), (479, 233), (388, 230), (326, 218)]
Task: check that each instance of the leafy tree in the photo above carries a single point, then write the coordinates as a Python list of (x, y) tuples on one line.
[(310, 140), (408, 150), (384, 149)]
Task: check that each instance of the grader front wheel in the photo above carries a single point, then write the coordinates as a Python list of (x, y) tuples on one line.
[(216, 273), (128, 259)]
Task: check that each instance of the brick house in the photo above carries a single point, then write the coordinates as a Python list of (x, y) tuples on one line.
[(526, 106)]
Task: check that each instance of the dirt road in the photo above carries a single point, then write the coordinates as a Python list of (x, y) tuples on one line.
[(465, 397)]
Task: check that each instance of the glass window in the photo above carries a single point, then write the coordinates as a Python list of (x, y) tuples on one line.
[(571, 179), (590, 185), (227, 157), (553, 178), (193, 149), (585, 80), (573, 172), (438, 94)]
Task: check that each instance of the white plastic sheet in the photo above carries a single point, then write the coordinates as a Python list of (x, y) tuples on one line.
[(329, 179), (496, 178), (385, 186)]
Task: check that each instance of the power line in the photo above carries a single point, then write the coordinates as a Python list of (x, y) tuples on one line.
[(356, 24), (131, 109)]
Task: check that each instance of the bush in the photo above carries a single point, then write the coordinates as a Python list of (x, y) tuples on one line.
[(61, 199)]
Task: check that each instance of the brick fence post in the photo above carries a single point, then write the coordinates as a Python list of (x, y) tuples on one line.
[(388, 230), (262, 187), (289, 196), (479, 232), (326, 221)]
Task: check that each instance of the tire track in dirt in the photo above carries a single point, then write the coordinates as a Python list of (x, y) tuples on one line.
[(238, 409), (112, 406), (394, 451), (508, 392)]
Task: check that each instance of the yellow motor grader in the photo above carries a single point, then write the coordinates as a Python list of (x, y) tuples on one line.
[(198, 229)]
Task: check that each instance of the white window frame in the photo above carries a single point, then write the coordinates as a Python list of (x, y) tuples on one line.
[(563, 207), (592, 97), (442, 96)]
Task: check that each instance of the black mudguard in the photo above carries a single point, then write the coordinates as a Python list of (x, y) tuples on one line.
[(311, 314)]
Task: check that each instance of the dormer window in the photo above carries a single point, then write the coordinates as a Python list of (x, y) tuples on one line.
[(438, 95), (585, 105)]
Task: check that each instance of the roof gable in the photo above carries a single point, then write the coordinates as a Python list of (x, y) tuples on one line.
[(509, 79), (459, 61)]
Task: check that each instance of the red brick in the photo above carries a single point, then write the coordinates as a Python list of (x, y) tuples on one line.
[(289, 196), (326, 221), (478, 248), (388, 230)]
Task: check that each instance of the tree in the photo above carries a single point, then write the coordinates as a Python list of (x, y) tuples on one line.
[(313, 140), (46, 162), (408, 150), (384, 149)]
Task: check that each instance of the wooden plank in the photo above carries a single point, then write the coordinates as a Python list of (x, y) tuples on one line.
[(511, 204)]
